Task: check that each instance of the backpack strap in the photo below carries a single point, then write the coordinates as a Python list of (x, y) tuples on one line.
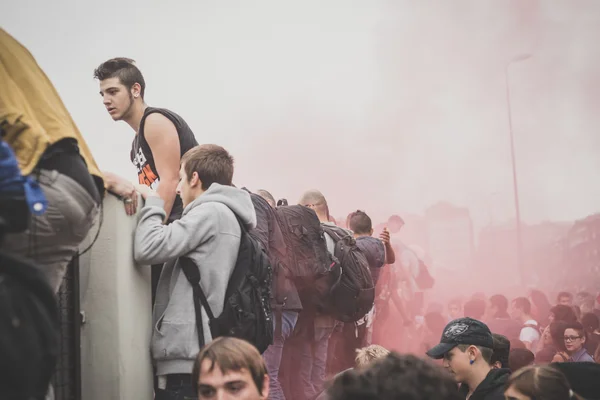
[(333, 232), (191, 272), (279, 302)]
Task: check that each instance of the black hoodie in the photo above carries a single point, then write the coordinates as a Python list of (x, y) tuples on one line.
[(491, 388)]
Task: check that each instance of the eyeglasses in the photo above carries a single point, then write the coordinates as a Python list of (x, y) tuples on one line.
[(571, 338)]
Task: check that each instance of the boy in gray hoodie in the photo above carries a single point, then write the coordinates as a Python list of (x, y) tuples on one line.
[(209, 234)]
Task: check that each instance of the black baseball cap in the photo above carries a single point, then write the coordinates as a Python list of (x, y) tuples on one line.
[(462, 331)]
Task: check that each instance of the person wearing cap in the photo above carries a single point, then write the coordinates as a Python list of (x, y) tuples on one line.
[(467, 347)]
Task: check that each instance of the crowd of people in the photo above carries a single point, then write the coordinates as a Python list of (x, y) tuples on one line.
[(254, 298)]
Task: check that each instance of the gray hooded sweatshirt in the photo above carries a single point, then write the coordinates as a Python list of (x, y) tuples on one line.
[(209, 234)]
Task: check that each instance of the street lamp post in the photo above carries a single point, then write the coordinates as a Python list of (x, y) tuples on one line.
[(518, 58)]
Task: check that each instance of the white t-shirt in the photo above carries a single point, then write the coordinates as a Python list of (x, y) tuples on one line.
[(529, 334)]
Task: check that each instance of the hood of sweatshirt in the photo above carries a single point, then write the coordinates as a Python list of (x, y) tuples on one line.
[(493, 385), (237, 200)]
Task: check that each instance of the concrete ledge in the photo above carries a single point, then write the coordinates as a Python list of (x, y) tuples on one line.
[(116, 302)]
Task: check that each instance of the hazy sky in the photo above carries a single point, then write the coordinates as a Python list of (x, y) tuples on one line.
[(388, 106)]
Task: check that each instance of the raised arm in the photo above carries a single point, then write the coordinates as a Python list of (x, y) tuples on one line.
[(156, 243), (390, 255)]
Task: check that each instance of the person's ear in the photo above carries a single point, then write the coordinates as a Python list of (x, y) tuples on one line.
[(195, 180), (265, 388), (136, 90), (472, 352)]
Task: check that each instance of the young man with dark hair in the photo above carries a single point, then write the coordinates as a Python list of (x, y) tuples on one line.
[(565, 299), (209, 234), (161, 136), (230, 368), (395, 377), (50, 151), (378, 252), (575, 339), (467, 347), (500, 321), (530, 331)]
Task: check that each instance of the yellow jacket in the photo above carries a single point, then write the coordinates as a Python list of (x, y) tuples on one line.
[(32, 115)]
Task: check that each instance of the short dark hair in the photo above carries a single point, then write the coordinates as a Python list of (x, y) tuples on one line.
[(395, 377), (500, 302), (486, 353), (212, 163), (474, 308), (523, 304), (501, 350), (564, 294), (124, 69), (576, 326), (563, 313), (359, 222), (590, 322), (520, 358), (231, 354)]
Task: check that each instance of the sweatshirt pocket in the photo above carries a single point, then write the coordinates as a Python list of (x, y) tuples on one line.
[(174, 341)]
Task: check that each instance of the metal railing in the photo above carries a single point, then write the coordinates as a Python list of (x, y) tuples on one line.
[(67, 378)]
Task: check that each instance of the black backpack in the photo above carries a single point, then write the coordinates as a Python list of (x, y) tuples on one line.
[(308, 263), (353, 297), (424, 280), (247, 310)]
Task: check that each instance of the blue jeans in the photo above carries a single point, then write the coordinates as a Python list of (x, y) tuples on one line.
[(272, 355), (314, 358)]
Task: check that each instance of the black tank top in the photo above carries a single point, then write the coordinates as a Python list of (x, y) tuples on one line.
[(142, 158)]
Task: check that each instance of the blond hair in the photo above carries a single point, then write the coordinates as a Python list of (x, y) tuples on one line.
[(366, 355)]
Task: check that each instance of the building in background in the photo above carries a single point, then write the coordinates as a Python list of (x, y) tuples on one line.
[(496, 255), (581, 255)]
